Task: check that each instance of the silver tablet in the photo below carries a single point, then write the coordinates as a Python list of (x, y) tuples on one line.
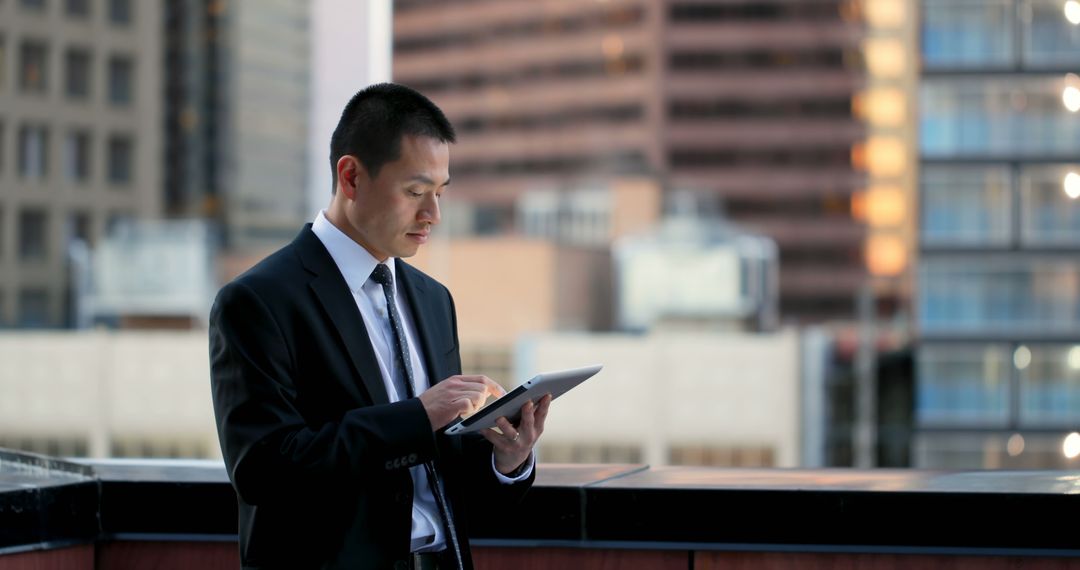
[(554, 383)]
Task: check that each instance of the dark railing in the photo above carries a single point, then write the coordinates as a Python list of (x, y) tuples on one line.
[(182, 514)]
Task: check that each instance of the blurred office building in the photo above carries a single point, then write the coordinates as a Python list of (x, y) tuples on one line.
[(718, 398), (748, 101), (237, 98), (80, 141), (998, 361)]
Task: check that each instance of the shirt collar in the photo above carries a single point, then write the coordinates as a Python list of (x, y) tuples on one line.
[(353, 261)]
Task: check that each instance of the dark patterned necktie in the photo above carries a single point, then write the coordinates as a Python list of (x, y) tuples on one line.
[(383, 277)]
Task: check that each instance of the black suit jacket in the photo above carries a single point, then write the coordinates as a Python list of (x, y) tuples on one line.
[(318, 455)]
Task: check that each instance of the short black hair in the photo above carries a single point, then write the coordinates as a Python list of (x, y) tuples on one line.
[(374, 121)]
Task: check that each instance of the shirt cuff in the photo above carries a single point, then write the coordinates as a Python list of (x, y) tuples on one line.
[(523, 472)]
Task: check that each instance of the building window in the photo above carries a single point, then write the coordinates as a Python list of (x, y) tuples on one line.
[(121, 79), (722, 456), (3, 146), (120, 12), (963, 385), (1050, 39), (33, 235), (33, 69), (77, 156), (996, 295), (120, 161), (33, 152), (966, 205), (3, 62), (1050, 386), (1050, 216), (79, 228), (996, 116), (968, 33), (77, 8), (34, 308), (77, 73), (589, 453), (35, 5)]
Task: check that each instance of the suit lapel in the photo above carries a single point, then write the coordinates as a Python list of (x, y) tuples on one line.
[(336, 299), (423, 313)]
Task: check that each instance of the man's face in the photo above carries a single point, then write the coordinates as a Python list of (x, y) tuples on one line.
[(392, 215)]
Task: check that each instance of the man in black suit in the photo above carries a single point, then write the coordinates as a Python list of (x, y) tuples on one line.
[(334, 366)]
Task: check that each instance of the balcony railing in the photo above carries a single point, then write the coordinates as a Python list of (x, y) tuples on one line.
[(182, 514)]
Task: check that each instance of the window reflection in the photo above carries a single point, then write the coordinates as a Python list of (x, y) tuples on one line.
[(988, 295), (966, 205), (1050, 387), (963, 384), (967, 33), (1050, 215), (997, 117)]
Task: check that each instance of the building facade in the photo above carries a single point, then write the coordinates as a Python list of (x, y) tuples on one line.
[(80, 140), (998, 361), (747, 103), (237, 100)]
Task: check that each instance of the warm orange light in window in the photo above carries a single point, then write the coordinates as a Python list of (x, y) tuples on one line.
[(880, 156), (883, 107), (885, 57), (884, 13), (885, 255), (885, 206)]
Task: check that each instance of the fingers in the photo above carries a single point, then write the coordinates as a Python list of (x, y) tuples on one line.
[(541, 414), (480, 382), (508, 430)]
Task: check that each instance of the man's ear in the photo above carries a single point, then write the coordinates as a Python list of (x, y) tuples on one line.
[(351, 175)]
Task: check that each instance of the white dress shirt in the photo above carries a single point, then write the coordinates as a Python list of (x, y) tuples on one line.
[(356, 264)]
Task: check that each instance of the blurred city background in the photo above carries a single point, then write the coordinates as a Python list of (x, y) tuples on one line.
[(798, 233)]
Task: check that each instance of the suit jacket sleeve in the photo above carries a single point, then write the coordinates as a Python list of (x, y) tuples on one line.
[(268, 446)]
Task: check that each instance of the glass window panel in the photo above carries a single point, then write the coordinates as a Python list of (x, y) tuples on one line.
[(33, 152), (966, 205), (967, 33), (1050, 386), (1000, 295), (120, 161), (33, 68), (1050, 39), (79, 227), (963, 385), (77, 73), (33, 235), (3, 62), (1049, 215), (120, 11), (996, 117), (77, 156), (121, 77), (34, 308), (78, 8)]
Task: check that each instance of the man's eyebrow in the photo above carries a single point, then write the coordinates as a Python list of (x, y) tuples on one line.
[(425, 180)]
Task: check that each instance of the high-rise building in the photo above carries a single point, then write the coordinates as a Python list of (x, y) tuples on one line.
[(237, 100), (746, 101), (998, 362), (80, 140)]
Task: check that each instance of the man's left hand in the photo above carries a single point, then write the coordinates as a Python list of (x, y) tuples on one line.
[(514, 444)]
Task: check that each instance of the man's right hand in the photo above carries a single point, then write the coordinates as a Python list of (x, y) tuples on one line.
[(457, 396)]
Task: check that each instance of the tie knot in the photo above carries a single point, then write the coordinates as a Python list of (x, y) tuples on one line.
[(382, 275)]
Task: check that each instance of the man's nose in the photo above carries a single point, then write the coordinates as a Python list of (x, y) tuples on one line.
[(429, 211)]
